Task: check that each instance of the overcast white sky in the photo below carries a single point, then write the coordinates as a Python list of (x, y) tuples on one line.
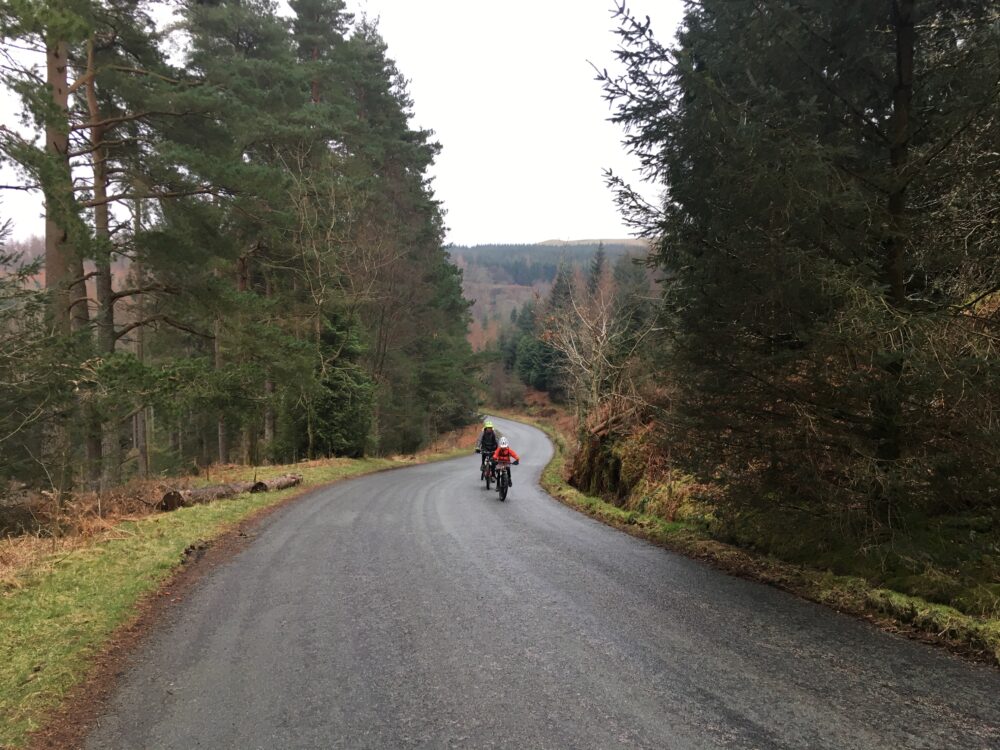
[(510, 93)]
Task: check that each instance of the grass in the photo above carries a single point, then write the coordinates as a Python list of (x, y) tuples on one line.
[(912, 615), (59, 609)]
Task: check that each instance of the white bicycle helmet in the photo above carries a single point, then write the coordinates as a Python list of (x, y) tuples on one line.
[(504, 443)]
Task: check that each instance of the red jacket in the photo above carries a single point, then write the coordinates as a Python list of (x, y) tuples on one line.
[(505, 454)]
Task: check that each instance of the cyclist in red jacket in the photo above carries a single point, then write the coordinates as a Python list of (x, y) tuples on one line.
[(505, 453)]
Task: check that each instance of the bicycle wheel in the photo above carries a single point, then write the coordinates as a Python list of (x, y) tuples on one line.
[(502, 486)]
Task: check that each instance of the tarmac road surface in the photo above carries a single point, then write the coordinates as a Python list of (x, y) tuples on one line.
[(413, 609)]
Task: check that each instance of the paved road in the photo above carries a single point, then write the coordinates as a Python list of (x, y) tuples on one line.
[(412, 609)]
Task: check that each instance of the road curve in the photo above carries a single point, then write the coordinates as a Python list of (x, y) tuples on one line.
[(412, 609)]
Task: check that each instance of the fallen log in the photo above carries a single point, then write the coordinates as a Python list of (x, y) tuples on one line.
[(281, 483), (171, 500), (200, 495), (174, 499)]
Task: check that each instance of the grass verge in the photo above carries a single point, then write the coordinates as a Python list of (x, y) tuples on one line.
[(978, 638), (60, 609)]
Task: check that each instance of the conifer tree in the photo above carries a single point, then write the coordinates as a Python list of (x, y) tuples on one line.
[(269, 276), (822, 299), (598, 265)]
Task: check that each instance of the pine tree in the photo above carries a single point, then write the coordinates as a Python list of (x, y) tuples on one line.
[(814, 155), (270, 276), (597, 269)]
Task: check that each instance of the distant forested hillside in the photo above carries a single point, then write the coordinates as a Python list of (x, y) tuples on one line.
[(526, 265), (500, 279)]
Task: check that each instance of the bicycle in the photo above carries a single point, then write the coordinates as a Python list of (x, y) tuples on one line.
[(503, 478), (486, 468)]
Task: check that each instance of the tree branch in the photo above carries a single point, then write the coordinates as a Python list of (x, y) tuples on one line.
[(144, 290), (77, 301), (158, 319), (149, 196), (85, 277), (112, 121)]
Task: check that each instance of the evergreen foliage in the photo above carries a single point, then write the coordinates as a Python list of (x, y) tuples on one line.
[(271, 282), (598, 266), (830, 248)]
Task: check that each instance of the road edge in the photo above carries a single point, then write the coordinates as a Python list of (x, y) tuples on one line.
[(964, 636), (69, 724)]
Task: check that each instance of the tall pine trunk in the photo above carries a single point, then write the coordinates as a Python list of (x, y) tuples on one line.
[(269, 413), (888, 431), (220, 426), (106, 464), (58, 251), (902, 102), (64, 277), (141, 423), (269, 417)]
